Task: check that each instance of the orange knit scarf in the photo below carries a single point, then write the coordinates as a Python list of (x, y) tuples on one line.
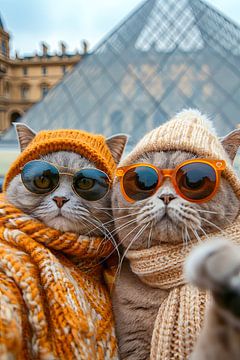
[(52, 307), (181, 313)]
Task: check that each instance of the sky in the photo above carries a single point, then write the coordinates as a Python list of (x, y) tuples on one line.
[(32, 21)]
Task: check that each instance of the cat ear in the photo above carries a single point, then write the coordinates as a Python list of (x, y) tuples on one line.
[(231, 143), (117, 145), (25, 135)]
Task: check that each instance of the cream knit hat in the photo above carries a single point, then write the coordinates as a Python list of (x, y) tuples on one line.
[(187, 131)]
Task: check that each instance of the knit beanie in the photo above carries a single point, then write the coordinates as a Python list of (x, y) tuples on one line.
[(93, 147), (188, 131)]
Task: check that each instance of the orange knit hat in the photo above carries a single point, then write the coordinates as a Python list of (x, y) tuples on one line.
[(91, 146)]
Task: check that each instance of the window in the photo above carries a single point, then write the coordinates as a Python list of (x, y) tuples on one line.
[(44, 89), (15, 116), (44, 70), (24, 91), (64, 70), (4, 48), (6, 89), (25, 70)]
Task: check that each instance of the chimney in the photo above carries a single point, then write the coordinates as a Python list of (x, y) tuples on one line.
[(63, 47), (85, 47), (44, 49)]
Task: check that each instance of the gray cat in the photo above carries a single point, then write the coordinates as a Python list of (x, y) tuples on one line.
[(142, 224), (62, 209)]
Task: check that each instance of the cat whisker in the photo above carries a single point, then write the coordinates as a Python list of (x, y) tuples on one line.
[(107, 235), (102, 225), (150, 236), (185, 218), (97, 225), (117, 245), (116, 248), (110, 236), (105, 212), (93, 227), (196, 234), (211, 223), (121, 217), (121, 227), (204, 232), (112, 208), (122, 240), (130, 244), (188, 237), (184, 235), (212, 212)]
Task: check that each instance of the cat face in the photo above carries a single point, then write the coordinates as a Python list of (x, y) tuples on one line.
[(76, 214), (148, 222)]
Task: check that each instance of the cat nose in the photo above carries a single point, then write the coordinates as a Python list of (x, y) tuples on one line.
[(60, 200), (166, 198)]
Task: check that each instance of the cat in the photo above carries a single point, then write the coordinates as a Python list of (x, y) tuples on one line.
[(56, 302), (76, 214), (136, 304)]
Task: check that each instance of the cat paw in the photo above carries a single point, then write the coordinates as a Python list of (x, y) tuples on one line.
[(215, 265)]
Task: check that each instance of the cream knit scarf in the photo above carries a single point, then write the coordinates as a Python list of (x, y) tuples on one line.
[(181, 314), (53, 306)]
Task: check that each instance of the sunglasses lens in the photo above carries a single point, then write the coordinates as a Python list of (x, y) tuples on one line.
[(196, 181), (40, 177), (140, 182), (91, 184)]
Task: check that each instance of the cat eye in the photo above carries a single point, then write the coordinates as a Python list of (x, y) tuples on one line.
[(195, 180), (42, 177)]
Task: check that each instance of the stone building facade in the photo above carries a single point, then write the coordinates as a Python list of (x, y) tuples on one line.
[(26, 80)]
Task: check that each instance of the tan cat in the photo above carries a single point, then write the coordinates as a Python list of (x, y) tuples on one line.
[(159, 216)]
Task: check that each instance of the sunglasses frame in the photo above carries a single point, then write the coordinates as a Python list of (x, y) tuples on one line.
[(72, 174), (217, 165)]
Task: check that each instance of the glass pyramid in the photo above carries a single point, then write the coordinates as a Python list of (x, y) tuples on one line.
[(167, 55)]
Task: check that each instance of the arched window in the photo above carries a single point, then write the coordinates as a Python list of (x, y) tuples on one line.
[(25, 71), (4, 48), (15, 116), (116, 120), (24, 91)]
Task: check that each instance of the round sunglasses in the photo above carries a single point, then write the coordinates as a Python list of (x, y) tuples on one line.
[(41, 177), (195, 180)]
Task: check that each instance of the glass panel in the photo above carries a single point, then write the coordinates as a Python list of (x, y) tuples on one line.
[(167, 55)]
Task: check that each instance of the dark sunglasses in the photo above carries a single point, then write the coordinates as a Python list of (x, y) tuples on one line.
[(195, 180), (42, 177)]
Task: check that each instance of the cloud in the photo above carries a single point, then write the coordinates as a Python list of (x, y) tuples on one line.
[(31, 22)]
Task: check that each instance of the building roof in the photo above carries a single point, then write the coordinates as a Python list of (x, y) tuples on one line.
[(167, 55)]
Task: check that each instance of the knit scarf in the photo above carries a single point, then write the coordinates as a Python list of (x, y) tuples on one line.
[(54, 303), (180, 316)]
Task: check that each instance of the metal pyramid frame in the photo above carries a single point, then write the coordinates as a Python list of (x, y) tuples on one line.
[(167, 55)]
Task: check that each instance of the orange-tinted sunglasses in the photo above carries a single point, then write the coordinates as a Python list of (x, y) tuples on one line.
[(195, 180)]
